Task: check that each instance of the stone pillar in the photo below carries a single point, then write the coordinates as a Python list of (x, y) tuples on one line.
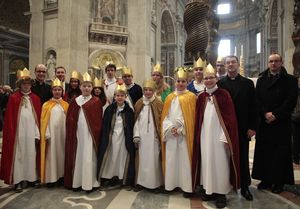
[(138, 47), (72, 37), (36, 34)]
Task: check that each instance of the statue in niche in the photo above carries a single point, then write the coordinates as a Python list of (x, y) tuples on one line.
[(107, 8), (51, 64)]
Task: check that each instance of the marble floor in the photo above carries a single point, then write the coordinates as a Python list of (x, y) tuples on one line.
[(117, 198)]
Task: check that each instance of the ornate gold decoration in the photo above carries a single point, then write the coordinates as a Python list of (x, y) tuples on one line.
[(98, 82), (199, 63), (87, 77), (181, 72), (126, 71), (149, 84), (121, 87), (209, 71), (75, 74), (56, 83), (157, 68), (23, 74)]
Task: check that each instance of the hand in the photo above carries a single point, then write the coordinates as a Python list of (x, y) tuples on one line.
[(250, 133), (269, 117), (174, 132)]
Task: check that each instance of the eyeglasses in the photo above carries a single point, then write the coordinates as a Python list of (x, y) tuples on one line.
[(275, 61), (181, 81), (220, 65), (209, 78)]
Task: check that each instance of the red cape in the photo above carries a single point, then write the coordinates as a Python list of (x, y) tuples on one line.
[(9, 133), (226, 113), (93, 113)]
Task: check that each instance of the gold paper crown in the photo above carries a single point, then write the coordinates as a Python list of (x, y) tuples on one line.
[(23, 74), (98, 82), (149, 84), (220, 59), (56, 82), (181, 72), (121, 87), (75, 75), (157, 68), (127, 71), (86, 77), (209, 71), (199, 63)]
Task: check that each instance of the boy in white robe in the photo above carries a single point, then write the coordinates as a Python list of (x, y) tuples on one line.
[(178, 118), (146, 137), (53, 134)]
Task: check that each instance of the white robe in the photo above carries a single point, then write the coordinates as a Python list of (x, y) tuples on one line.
[(86, 158), (199, 86), (178, 166), (109, 89), (215, 165), (149, 170), (25, 153), (55, 136), (117, 152)]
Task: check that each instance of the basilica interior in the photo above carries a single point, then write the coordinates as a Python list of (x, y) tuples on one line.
[(86, 35)]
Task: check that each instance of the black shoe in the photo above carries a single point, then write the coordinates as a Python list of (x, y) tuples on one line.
[(78, 189), (187, 194), (137, 188), (18, 188), (221, 201), (37, 184), (245, 192), (207, 197), (50, 185), (262, 185), (277, 189)]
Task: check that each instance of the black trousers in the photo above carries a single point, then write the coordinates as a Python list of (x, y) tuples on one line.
[(296, 140), (244, 163)]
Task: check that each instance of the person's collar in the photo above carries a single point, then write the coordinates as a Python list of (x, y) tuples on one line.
[(148, 100), (212, 90), (177, 92), (25, 93)]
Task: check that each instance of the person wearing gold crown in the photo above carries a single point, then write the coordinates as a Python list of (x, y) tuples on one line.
[(74, 87), (117, 152), (242, 92), (221, 70), (178, 119), (146, 137), (21, 135), (215, 163), (197, 86), (83, 128), (134, 91), (98, 91), (53, 134), (162, 88), (110, 83)]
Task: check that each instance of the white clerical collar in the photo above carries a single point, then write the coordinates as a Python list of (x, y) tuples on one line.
[(212, 90), (146, 100)]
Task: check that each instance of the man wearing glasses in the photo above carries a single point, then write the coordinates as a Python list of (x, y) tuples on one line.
[(276, 92), (39, 87), (221, 70)]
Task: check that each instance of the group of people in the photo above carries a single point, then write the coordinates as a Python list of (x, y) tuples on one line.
[(195, 138)]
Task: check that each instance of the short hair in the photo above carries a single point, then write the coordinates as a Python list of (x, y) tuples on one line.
[(59, 67), (110, 66), (276, 53), (38, 66), (232, 56)]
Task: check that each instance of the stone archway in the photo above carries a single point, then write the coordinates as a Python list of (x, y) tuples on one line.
[(168, 43), (100, 58)]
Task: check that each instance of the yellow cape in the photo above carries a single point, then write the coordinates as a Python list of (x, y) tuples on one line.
[(187, 102), (46, 111)]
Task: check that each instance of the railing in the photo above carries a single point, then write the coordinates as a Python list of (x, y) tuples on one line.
[(101, 27)]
